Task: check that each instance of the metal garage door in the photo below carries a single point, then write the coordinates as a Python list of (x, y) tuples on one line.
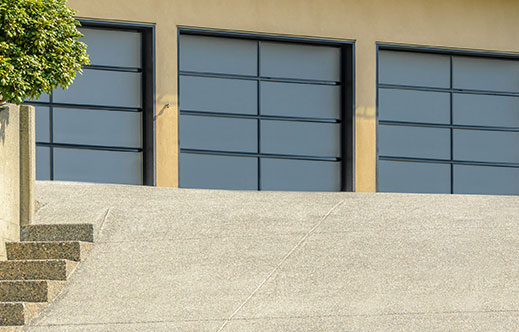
[(448, 124), (94, 130), (259, 115)]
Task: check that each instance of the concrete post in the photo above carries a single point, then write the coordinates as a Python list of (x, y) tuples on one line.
[(27, 164), (9, 176)]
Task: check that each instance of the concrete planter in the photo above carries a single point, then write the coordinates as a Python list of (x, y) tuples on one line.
[(17, 170)]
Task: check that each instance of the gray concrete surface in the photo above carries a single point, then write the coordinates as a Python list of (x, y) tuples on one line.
[(195, 260)]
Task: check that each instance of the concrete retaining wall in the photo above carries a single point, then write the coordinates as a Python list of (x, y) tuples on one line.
[(17, 171), (27, 163)]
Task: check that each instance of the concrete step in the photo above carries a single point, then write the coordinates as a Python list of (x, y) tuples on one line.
[(18, 313), (36, 269), (71, 250), (30, 290), (65, 232)]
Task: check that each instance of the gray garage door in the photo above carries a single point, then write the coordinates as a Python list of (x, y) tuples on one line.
[(259, 115), (93, 131), (448, 124)]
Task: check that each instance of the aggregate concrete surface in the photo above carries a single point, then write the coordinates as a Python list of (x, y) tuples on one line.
[(206, 260)]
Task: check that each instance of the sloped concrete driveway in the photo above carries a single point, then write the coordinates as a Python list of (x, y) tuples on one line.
[(194, 260)]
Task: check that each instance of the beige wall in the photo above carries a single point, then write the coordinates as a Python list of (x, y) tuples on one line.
[(9, 176), (489, 25)]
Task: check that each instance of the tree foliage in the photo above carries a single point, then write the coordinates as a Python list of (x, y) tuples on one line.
[(39, 48)]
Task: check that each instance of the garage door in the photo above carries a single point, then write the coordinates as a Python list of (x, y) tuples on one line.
[(448, 124), (259, 115), (93, 131)]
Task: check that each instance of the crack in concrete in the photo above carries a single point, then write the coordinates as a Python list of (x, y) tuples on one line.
[(287, 256), (104, 217)]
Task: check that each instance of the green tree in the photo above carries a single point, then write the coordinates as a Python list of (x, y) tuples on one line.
[(39, 48)]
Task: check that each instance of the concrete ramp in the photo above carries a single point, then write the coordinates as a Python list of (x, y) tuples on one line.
[(196, 260)]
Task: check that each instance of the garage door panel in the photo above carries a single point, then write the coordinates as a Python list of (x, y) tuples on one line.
[(219, 134), (107, 88), (300, 61), (410, 177), (414, 106), (107, 144), (206, 94), (96, 127), (42, 121), (300, 138), (295, 81), (414, 142), (43, 163), (218, 172), (300, 175), (486, 146), (485, 74), (113, 48), (486, 180), (300, 100), (485, 110), (218, 55), (418, 69), (481, 110), (98, 166)]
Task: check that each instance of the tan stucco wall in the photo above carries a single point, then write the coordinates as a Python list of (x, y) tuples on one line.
[(9, 176), (489, 25)]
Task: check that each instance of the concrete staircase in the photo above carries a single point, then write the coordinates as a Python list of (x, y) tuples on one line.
[(38, 267)]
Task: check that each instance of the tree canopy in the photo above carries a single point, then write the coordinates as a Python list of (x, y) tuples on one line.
[(39, 48)]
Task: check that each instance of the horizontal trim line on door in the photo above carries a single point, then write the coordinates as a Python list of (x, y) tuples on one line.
[(437, 125), (446, 51), (259, 78), (263, 37), (258, 117), (111, 25), (449, 162), (85, 106), (114, 68), (259, 155), (448, 90), (88, 147)]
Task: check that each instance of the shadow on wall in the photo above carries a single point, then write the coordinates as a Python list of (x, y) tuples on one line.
[(4, 122)]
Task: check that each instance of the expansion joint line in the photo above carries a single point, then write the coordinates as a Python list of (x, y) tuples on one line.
[(287, 256)]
